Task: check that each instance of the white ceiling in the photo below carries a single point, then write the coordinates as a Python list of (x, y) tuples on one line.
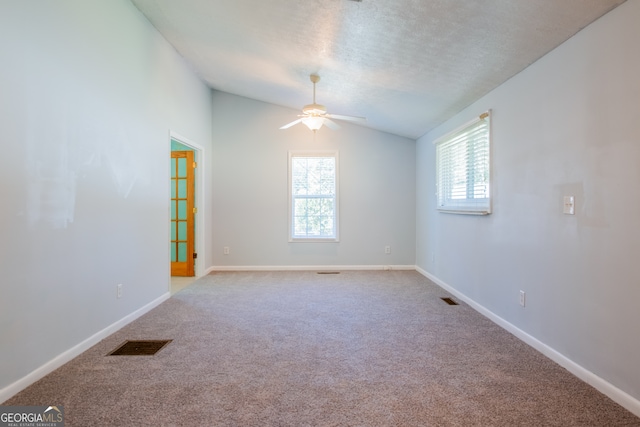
[(406, 65)]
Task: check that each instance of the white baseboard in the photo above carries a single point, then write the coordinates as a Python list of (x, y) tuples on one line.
[(19, 385), (622, 398), (308, 267)]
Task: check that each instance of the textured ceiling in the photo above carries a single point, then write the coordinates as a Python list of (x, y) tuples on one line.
[(406, 65)]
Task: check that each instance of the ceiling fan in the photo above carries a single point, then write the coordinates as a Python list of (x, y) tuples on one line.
[(315, 115)]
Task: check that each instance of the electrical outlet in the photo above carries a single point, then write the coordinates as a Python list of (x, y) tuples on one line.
[(225, 250), (119, 290), (387, 249), (522, 298)]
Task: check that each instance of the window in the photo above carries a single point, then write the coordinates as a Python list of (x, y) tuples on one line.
[(313, 196), (463, 169)]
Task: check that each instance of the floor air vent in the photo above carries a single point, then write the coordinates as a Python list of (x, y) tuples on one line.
[(328, 272), (449, 301), (140, 348)]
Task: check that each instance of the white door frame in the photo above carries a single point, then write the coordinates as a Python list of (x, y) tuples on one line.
[(199, 202)]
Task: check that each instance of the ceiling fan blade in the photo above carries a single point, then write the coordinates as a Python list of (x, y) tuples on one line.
[(295, 122), (348, 118), (331, 124)]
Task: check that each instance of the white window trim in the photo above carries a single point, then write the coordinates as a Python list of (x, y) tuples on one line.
[(319, 153), (466, 210)]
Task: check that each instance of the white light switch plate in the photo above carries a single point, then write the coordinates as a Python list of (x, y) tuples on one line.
[(569, 205)]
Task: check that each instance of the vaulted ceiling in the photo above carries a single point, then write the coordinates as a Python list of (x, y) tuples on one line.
[(406, 65)]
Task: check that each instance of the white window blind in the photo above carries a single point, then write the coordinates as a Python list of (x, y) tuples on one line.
[(463, 169), (313, 196)]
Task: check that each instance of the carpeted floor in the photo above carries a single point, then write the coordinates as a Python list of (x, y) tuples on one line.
[(360, 348)]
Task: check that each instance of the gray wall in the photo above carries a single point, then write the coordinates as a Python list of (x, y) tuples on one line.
[(89, 93), (377, 190), (567, 125)]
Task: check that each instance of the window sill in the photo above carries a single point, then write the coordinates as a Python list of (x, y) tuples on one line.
[(313, 240), (464, 212)]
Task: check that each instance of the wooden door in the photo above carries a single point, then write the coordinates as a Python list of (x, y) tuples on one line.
[(182, 213)]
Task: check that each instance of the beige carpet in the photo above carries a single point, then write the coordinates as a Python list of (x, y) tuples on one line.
[(303, 349)]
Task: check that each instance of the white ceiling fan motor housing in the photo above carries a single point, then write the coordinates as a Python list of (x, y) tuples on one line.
[(314, 109)]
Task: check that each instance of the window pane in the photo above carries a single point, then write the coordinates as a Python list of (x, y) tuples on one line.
[(182, 188), (300, 207), (182, 230), (182, 209), (182, 167), (182, 252), (314, 217), (313, 193)]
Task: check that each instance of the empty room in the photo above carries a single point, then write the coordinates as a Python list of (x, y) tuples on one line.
[(320, 213)]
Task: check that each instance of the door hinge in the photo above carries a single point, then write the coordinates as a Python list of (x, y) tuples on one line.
[(195, 255), (195, 210), (195, 165)]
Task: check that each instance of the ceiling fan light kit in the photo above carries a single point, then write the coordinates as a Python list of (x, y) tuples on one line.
[(315, 115), (314, 122)]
